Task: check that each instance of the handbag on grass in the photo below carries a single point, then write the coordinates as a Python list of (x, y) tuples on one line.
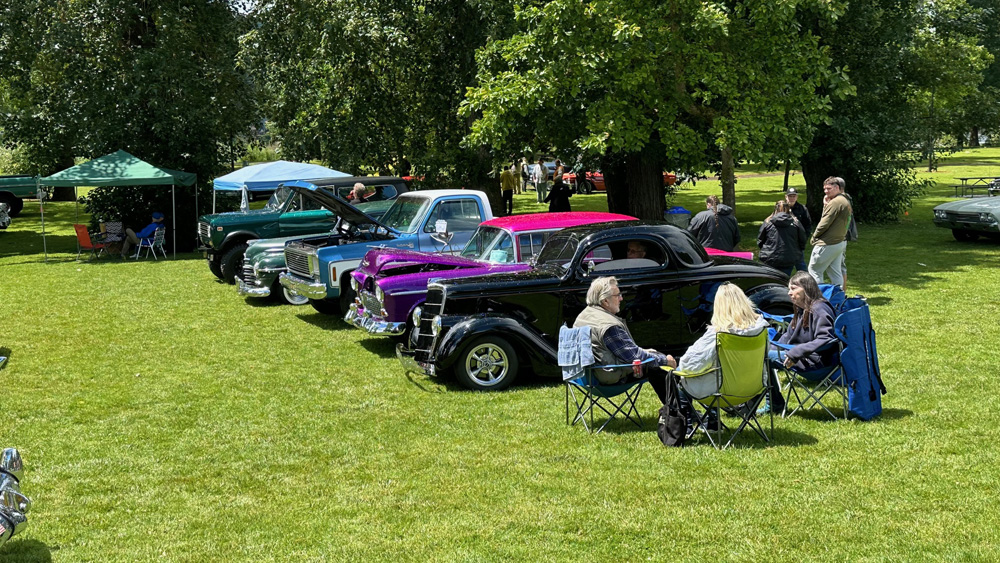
[(672, 426)]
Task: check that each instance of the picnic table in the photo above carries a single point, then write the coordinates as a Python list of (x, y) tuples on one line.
[(971, 184)]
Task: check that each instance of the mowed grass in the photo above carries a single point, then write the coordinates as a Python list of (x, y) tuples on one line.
[(160, 416)]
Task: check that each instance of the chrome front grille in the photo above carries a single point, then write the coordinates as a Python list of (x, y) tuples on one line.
[(432, 307), (370, 302), (248, 277), (297, 260), (204, 231), (964, 217)]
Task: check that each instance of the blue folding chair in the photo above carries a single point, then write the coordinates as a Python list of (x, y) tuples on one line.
[(617, 399)]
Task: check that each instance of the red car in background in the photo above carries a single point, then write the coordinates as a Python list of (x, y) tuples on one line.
[(594, 181)]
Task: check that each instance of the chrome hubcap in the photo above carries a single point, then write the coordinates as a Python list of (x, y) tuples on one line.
[(487, 364)]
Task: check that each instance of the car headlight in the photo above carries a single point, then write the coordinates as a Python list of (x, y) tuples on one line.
[(436, 325), (940, 214), (415, 317), (314, 265), (379, 294), (985, 218), (354, 284)]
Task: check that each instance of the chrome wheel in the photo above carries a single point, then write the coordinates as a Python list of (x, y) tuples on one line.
[(489, 364), (293, 298)]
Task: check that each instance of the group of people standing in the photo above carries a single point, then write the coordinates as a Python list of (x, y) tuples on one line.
[(538, 175), (783, 235)]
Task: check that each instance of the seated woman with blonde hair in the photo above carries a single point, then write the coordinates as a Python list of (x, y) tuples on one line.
[(733, 313)]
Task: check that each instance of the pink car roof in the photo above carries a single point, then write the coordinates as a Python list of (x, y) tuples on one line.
[(538, 221)]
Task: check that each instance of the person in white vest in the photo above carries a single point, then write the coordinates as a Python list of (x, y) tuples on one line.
[(613, 344)]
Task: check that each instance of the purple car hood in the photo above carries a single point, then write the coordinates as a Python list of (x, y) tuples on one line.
[(409, 282), (379, 259)]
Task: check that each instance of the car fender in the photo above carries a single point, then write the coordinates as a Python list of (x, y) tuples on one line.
[(236, 237), (529, 345)]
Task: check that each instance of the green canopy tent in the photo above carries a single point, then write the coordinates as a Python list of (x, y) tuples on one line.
[(122, 169)]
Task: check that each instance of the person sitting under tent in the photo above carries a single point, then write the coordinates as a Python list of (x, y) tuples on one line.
[(132, 237)]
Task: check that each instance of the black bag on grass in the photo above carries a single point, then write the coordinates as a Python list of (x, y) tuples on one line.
[(672, 427)]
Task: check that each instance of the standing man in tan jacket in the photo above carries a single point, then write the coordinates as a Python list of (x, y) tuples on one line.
[(829, 239)]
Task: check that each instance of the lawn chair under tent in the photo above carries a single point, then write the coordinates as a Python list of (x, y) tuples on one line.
[(85, 242), (585, 394), (740, 383), (152, 244)]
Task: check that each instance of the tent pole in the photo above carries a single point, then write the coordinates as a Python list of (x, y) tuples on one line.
[(173, 202), (197, 214), (41, 207), (213, 201)]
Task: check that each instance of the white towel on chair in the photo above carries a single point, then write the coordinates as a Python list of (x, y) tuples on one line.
[(575, 351)]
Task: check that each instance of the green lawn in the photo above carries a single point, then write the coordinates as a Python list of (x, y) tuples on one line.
[(160, 416)]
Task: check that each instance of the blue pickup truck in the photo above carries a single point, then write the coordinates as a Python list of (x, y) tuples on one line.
[(319, 267)]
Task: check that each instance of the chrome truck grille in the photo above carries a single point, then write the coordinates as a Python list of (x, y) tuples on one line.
[(297, 259), (432, 307)]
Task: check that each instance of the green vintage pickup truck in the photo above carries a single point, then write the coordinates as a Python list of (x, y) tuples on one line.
[(13, 189), (223, 237)]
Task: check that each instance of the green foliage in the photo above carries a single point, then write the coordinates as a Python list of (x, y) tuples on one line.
[(683, 78), (83, 79), (374, 86)]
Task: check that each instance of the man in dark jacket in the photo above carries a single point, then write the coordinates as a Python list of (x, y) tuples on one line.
[(802, 214), (781, 240)]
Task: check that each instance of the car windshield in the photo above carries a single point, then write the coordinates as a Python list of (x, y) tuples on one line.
[(405, 214), (490, 244), (278, 199), (559, 250)]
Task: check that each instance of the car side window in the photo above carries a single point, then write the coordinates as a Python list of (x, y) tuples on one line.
[(503, 251), (308, 204), (530, 244), (634, 254), (461, 215)]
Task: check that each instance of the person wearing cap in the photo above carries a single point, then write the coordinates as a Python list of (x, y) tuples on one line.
[(132, 237), (830, 237)]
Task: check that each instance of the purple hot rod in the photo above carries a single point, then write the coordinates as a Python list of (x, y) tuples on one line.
[(391, 283)]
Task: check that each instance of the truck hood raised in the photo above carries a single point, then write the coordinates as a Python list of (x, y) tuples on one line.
[(334, 203)]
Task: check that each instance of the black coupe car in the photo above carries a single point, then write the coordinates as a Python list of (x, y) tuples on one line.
[(489, 329)]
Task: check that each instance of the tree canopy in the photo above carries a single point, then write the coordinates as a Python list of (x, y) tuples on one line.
[(646, 84)]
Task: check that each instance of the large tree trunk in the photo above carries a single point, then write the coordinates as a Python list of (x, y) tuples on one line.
[(480, 179), (728, 178), (815, 169), (634, 183), (974, 137)]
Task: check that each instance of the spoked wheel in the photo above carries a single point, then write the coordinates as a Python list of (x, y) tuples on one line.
[(488, 364)]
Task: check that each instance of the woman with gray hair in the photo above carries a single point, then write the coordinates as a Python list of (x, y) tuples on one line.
[(613, 343)]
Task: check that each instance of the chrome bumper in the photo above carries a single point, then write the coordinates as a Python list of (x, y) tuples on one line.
[(364, 320), (410, 364), (305, 288), (248, 290)]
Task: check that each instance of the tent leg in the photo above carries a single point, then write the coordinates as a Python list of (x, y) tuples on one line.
[(173, 201), (41, 208)]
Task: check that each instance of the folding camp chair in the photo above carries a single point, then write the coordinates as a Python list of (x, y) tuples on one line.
[(808, 389), (151, 244), (86, 243), (741, 385), (111, 236), (589, 394)]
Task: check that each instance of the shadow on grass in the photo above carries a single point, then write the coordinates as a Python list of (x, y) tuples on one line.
[(326, 322), (782, 438), (32, 551), (817, 414), (381, 346)]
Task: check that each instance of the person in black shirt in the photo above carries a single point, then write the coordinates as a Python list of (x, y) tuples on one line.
[(800, 212)]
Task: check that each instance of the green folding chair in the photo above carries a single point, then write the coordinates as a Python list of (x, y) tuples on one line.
[(740, 386)]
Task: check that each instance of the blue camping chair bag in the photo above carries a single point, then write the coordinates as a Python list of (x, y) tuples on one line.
[(859, 359)]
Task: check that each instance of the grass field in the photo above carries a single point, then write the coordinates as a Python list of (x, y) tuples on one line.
[(160, 416)]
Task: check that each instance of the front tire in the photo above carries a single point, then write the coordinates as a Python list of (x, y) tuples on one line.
[(232, 263), (962, 235), (14, 204), (488, 364), (214, 267)]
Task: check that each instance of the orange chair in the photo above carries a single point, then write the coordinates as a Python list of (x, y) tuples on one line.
[(84, 242)]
